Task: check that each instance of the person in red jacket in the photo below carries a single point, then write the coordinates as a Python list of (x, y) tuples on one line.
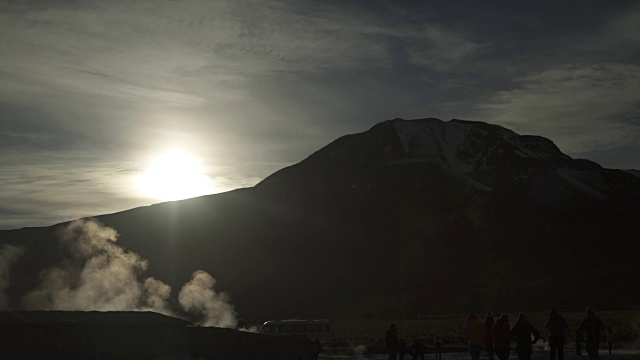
[(417, 350), (501, 333), (610, 338), (488, 338), (474, 332)]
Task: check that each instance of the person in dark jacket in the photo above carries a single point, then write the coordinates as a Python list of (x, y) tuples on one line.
[(591, 327), (521, 334), (557, 325), (401, 346), (501, 334), (437, 348), (487, 324), (391, 340), (578, 336), (315, 347)]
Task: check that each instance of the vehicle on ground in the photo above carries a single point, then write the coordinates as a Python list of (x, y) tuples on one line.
[(312, 328)]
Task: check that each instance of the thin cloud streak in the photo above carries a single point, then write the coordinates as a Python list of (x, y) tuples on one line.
[(563, 101)]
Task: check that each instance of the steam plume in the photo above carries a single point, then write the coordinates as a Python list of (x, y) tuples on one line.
[(103, 276), (9, 254), (198, 296)]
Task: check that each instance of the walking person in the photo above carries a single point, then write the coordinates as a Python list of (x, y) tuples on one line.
[(557, 325), (521, 333), (487, 326), (501, 333), (591, 327), (610, 338), (315, 347), (391, 340), (474, 332), (401, 346), (578, 335), (417, 350), (437, 348)]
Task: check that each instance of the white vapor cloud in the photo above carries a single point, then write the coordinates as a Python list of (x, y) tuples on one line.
[(199, 296), (9, 254), (156, 294), (102, 276)]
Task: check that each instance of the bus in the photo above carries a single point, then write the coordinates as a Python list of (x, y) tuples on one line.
[(313, 329)]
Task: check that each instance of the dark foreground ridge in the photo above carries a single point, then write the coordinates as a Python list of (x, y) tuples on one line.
[(132, 335)]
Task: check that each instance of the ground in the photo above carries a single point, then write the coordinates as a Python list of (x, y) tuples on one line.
[(365, 336), (537, 355)]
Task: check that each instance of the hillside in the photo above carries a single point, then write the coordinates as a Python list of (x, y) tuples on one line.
[(411, 216)]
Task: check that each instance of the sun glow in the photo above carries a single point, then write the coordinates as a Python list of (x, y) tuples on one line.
[(174, 175)]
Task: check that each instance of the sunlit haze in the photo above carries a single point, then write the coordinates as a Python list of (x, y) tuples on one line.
[(174, 175)]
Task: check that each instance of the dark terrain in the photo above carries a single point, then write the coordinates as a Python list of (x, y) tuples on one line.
[(410, 217)]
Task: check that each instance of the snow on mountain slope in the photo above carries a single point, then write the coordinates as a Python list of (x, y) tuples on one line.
[(433, 139), (467, 146), (476, 151), (480, 154)]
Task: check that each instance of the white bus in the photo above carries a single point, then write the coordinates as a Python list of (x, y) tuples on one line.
[(314, 329)]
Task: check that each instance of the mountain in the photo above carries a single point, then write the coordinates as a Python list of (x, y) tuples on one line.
[(409, 217)]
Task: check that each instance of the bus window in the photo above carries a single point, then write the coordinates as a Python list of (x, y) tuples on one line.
[(312, 329), (285, 329)]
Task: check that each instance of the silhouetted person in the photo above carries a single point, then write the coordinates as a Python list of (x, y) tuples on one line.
[(557, 325), (501, 334), (417, 350), (437, 348), (591, 327), (487, 326), (401, 347), (314, 348), (391, 340), (521, 333), (610, 338), (578, 335), (473, 330)]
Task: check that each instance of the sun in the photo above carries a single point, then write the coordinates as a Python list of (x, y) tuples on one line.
[(174, 175)]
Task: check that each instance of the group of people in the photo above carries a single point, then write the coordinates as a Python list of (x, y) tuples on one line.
[(496, 336)]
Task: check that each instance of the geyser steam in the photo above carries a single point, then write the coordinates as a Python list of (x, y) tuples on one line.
[(198, 296), (103, 276)]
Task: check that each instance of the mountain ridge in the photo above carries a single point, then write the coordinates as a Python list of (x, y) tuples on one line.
[(372, 223)]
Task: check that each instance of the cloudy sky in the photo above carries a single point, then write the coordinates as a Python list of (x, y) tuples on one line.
[(93, 92)]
